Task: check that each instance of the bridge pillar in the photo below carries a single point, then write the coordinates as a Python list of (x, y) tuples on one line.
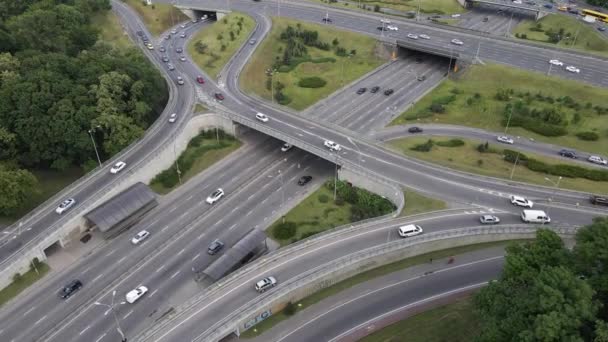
[(540, 15), (463, 3)]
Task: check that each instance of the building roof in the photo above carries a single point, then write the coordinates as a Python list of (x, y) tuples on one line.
[(235, 254), (121, 206)]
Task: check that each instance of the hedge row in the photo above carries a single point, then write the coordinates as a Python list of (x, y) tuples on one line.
[(450, 143), (536, 126), (312, 82)]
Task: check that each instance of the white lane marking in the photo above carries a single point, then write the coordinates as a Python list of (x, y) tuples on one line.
[(100, 337), (107, 312), (184, 214), (40, 320), (172, 209), (86, 269), (85, 329), (127, 315), (284, 262), (160, 268), (164, 228), (189, 198), (174, 275), (153, 292), (464, 288), (99, 276), (121, 259), (153, 222), (25, 313), (182, 251), (232, 227), (196, 256), (219, 221), (111, 252)]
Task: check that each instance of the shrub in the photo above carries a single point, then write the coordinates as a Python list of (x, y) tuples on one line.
[(323, 198), (312, 82), (376, 8), (285, 230), (289, 309), (426, 147), (437, 108), (479, 162), (588, 136), (511, 156), (451, 143), (339, 201), (482, 148), (17, 277)]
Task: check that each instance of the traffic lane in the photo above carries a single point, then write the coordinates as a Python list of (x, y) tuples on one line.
[(94, 273), (178, 263), (520, 142), (237, 297), (374, 303)]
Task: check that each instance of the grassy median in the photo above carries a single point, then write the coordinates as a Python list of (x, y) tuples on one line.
[(587, 37), (472, 99), (416, 203), (306, 72), (213, 46), (426, 6), (467, 158), (22, 282), (157, 17)]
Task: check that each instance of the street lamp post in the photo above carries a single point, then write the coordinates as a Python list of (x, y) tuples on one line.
[(95, 145), (113, 310), (358, 150), (336, 180), (556, 186)]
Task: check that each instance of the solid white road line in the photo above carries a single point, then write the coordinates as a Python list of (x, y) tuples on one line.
[(182, 251), (164, 228), (152, 294), (174, 274), (25, 313), (85, 329), (196, 256), (99, 276), (100, 337), (127, 315), (172, 209), (160, 268)]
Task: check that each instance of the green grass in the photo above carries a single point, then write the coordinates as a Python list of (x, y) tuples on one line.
[(416, 203), (465, 158), (487, 113), (111, 30), (49, 183), (426, 6), (447, 21), (455, 322), (157, 17), (200, 108), (587, 39), (337, 73), (268, 323), (203, 158), (213, 59), (26, 280), (311, 215)]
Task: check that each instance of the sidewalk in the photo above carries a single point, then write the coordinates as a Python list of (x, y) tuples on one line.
[(315, 310)]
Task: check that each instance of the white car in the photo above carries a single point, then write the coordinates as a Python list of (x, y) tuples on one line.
[(517, 2), (135, 294), (504, 139), (215, 196), (489, 219), (139, 237), (150, 46), (412, 36), (286, 147), (424, 36), (392, 28), (182, 25), (598, 160), (520, 201), (265, 284), (332, 145), (118, 167), (182, 58), (180, 80), (65, 205), (173, 117), (573, 69), (262, 117), (556, 62), (457, 42), (174, 31), (384, 20)]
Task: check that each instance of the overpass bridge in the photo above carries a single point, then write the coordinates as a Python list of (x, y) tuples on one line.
[(539, 12)]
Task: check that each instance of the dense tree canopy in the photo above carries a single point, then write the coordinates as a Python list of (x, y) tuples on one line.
[(549, 293), (58, 82)]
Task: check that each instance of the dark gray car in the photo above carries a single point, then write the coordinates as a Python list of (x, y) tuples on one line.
[(215, 247)]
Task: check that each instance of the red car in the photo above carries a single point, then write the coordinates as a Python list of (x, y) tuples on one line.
[(219, 96), (200, 79)]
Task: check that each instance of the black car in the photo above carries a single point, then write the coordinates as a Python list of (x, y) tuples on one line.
[(304, 180), (179, 50), (215, 247), (219, 96), (165, 59), (70, 288), (167, 37), (419, 60), (140, 33), (415, 129), (374, 89), (421, 78), (567, 153), (485, 20), (361, 91), (162, 49), (327, 20), (599, 200), (382, 28), (387, 92), (602, 28)]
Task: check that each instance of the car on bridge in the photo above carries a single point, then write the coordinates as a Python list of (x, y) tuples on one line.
[(521, 201), (392, 28), (332, 145), (489, 219), (412, 36), (424, 36), (304, 180), (262, 117), (382, 28), (215, 196), (65, 205), (215, 247), (286, 147), (200, 79), (374, 89), (139, 237), (118, 167), (457, 42), (573, 69), (173, 117), (180, 80), (556, 62), (505, 139), (219, 96), (361, 91), (409, 230), (388, 92), (265, 284), (133, 295)]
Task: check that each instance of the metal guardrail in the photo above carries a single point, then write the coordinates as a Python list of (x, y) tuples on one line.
[(44, 207), (227, 325)]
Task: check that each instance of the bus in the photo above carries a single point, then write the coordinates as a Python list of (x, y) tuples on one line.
[(601, 16)]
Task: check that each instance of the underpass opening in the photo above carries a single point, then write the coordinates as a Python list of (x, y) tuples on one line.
[(450, 64), (53, 249)]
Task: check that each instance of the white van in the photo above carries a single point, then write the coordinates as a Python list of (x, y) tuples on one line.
[(409, 230), (535, 216)]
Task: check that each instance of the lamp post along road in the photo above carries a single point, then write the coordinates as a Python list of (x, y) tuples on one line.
[(111, 306), (94, 144), (556, 187)]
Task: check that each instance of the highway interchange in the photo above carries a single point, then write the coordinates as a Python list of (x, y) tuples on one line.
[(164, 261)]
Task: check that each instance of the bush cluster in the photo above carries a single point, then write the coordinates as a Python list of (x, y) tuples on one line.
[(588, 136), (425, 147), (364, 204), (564, 170), (312, 82), (450, 143), (285, 230)]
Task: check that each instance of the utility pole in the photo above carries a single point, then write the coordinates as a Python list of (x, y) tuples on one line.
[(95, 145), (112, 308)]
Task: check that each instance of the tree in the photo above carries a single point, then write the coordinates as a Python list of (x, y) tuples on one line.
[(16, 188)]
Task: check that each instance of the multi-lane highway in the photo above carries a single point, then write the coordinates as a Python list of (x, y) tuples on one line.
[(182, 225)]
